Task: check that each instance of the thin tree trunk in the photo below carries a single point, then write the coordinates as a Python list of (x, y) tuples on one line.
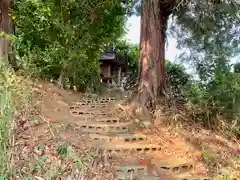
[(152, 83), (12, 51), (5, 26), (60, 81)]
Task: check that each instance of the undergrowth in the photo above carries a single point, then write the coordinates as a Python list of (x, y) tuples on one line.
[(14, 94), (216, 103)]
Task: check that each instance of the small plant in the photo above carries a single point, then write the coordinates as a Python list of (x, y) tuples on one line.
[(39, 165), (210, 159), (236, 158), (41, 147), (62, 150)]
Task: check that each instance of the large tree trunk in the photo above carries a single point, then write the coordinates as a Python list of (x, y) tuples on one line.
[(152, 82)]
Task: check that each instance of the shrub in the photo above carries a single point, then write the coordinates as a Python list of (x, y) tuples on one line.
[(219, 97), (178, 79)]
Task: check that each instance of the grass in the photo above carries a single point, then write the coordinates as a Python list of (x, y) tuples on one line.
[(13, 94), (79, 165), (5, 136)]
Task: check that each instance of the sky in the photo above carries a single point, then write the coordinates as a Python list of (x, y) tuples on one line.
[(172, 52), (133, 36)]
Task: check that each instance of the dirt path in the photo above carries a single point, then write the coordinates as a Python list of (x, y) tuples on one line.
[(73, 137)]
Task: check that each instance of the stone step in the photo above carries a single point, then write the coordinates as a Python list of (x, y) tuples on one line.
[(106, 100), (149, 177), (90, 113), (124, 176), (98, 100), (91, 127), (121, 137), (84, 114), (175, 165), (110, 119), (188, 176), (104, 114), (131, 169), (100, 119), (90, 105), (87, 107), (130, 176), (126, 148)]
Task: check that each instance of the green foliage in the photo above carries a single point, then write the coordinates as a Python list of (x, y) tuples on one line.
[(62, 150), (210, 29), (237, 68), (129, 53), (66, 37), (178, 79), (219, 97)]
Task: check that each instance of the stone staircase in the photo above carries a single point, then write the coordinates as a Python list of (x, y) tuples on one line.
[(116, 136)]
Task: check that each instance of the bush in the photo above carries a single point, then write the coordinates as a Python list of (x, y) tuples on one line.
[(75, 67), (178, 80), (219, 97)]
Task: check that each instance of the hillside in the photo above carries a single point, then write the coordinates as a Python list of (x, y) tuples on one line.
[(70, 136)]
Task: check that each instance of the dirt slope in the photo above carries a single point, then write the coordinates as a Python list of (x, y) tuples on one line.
[(57, 142)]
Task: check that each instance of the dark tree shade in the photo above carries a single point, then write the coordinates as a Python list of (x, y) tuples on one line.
[(237, 68)]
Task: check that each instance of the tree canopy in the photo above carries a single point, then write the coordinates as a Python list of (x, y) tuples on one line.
[(66, 37), (211, 30), (129, 52)]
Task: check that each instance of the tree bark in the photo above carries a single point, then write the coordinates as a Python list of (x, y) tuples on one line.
[(5, 26), (152, 82), (12, 58)]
